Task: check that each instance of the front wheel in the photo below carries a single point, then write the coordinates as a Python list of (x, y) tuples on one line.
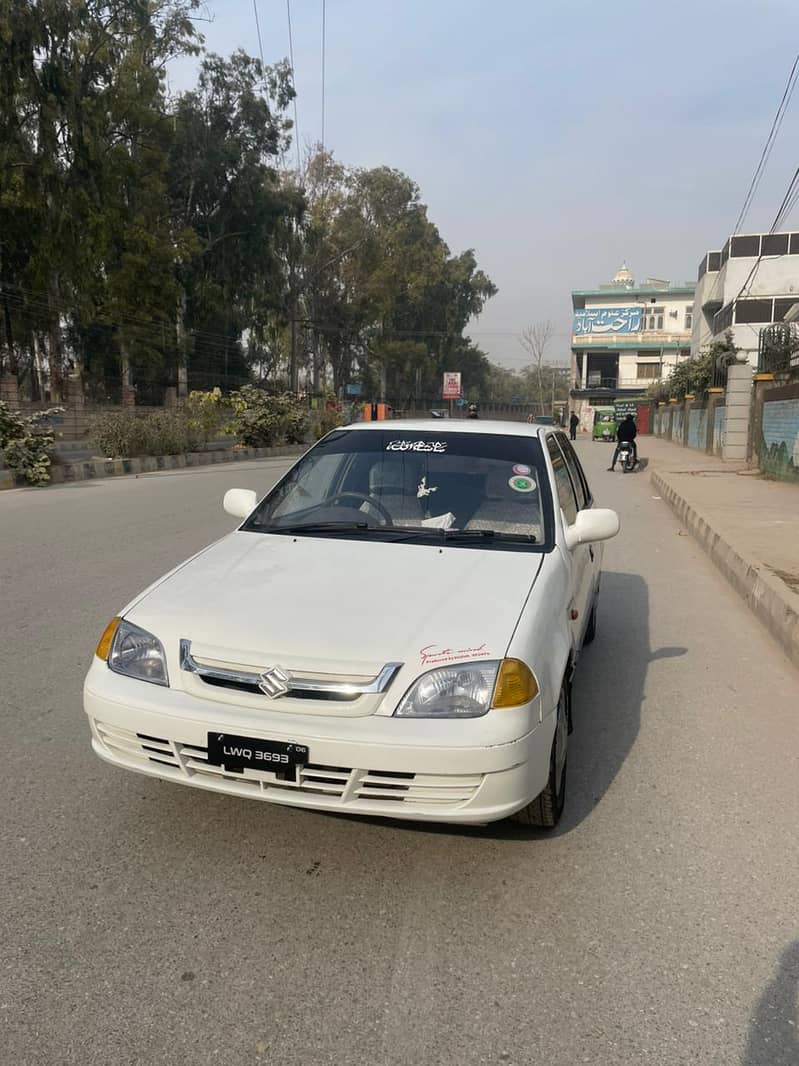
[(545, 810)]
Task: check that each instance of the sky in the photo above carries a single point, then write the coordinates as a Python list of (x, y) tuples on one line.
[(555, 139)]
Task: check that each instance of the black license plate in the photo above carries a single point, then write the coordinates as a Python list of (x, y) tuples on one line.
[(238, 753)]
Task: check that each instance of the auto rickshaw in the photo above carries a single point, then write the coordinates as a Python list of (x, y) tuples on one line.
[(605, 424)]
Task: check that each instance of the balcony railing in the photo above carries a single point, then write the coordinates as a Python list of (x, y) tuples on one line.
[(616, 382), (646, 338)]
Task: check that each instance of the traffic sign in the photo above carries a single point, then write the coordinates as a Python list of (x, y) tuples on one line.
[(452, 385)]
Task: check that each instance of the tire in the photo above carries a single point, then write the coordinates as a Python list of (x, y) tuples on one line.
[(545, 810), (590, 629)]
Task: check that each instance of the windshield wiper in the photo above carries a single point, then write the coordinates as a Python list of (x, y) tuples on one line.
[(319, 527), (486, 534)]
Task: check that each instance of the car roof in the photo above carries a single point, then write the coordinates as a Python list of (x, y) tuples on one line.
[(453, 425)]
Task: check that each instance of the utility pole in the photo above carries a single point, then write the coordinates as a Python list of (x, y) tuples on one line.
[(293, 311)]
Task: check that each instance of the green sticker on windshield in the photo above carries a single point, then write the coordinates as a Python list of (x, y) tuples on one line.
[(522, 484)]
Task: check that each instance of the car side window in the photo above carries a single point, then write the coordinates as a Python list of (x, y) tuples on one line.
[(563, 481), (577, 473)]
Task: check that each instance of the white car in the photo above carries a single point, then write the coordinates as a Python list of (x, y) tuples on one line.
[(392, 631)]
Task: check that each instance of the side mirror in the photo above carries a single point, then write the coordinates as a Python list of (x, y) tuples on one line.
[(598, 523), (239, 502)]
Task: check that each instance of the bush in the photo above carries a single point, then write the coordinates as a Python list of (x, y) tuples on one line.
[(323, 420), (695, 375), (26, 442), (125, 434), (205, 413), (260, 420)]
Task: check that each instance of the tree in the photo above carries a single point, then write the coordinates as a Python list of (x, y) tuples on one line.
[(83, 130), (535, 341), (696, 376), (232, 217)]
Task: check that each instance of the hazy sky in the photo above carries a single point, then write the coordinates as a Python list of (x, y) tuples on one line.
[(554, 138)]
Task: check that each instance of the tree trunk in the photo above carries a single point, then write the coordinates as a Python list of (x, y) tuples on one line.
[(183, 344), (55, 346)]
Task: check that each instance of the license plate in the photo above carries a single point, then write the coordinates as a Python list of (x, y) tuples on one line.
[(238, 753)]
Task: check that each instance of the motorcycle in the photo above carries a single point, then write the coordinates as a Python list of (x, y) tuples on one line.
[(626, 456)]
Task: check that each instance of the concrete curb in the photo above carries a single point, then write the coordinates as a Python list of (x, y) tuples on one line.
[(768, 598), (62, 473)]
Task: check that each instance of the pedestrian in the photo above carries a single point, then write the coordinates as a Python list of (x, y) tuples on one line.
[(574, 422)]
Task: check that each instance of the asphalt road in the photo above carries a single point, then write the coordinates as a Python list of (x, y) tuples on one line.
[(146, 923)]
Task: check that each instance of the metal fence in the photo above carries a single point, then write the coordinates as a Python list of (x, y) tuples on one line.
[(778, 348)]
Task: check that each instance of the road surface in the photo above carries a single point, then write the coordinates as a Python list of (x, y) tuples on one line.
[(146, 923)]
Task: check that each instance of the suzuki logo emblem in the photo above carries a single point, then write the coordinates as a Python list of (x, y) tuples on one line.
[(274, 682)]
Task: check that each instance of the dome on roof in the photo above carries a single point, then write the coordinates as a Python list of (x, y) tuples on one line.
[(623, 276)]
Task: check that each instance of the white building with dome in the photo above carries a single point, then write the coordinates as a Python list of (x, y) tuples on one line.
[(625, 337)]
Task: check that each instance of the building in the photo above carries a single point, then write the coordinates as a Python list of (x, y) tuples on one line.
[(626, 337), (751, 283)]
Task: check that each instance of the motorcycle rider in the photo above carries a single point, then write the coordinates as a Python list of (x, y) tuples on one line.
[(627, 431), (472, 412)]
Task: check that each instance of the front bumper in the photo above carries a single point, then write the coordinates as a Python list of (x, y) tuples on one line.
[(396, 768)]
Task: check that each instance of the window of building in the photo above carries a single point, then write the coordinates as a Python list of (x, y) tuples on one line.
[(783, 306), (753, 311), (648, 371), (689, 317), (714, 260), (722, 319), (774, 244), (794, 250), (742, 247), (725, 253), (653, 319)]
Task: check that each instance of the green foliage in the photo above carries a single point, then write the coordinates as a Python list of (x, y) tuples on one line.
[(149, 239), (205, 413), (695, 376), (126, 434), (26, 442), (324, 420), (260, 419)]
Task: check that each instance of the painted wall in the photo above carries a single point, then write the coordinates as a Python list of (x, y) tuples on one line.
[(719, 422), (778, 453), (697, 428)]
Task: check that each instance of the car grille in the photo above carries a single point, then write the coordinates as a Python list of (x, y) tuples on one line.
[(346, 787)]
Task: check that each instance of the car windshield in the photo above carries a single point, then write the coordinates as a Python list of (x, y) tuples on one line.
[(469, 489)]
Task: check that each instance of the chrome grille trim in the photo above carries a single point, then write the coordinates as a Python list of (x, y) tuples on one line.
[(294, 684)]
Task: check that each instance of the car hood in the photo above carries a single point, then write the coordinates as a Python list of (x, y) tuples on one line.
[(339, 606)]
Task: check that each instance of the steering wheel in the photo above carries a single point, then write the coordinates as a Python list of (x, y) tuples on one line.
[(388, 520)]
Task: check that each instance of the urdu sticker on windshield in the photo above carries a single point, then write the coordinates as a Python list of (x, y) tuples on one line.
[(416, 446), (522, 484)]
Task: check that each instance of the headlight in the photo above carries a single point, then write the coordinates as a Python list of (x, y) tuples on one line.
[(135, 653), (468, 690)]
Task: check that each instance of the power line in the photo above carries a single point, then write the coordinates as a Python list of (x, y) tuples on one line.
[(294, 86), (790, 85), (258, 30), (787, 202)]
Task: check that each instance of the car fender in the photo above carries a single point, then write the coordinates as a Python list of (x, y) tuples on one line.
[(542, 637)]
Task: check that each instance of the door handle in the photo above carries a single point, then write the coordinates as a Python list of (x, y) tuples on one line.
[(591, 552)]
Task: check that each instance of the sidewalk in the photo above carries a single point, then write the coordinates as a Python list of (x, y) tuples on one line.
[(748, 526)]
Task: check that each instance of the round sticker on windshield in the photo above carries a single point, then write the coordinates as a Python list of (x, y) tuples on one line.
[(520, 468), (522, 484)]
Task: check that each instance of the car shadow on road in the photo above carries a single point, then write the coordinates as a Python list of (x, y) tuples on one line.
[(609, 692), (774, 1028)]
